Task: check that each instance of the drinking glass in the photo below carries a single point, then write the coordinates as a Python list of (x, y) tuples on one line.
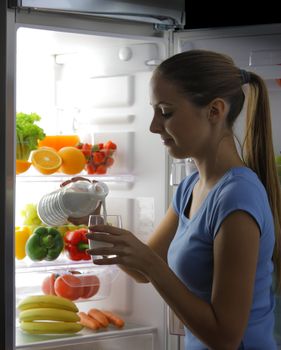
[(101, 219)]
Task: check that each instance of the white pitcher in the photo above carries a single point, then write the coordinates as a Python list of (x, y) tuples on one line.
[(77, 199)]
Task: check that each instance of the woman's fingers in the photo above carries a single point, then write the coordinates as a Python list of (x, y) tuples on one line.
[(104, 237), (107, 251), (108, 261)]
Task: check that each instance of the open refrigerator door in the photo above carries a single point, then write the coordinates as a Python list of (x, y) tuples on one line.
[(89, 88), (253, 48)]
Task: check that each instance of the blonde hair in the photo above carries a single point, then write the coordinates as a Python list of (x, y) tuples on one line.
[(202, 76), (258, 154)]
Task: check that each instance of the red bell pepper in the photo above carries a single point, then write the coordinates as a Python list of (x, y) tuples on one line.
[(76, 244)]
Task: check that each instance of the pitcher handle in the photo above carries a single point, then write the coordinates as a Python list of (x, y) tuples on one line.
[(100, 189)]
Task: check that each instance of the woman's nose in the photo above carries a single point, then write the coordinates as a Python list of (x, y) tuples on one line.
[(155, 126)]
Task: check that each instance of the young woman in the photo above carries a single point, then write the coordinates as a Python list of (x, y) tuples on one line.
[(213, 255)]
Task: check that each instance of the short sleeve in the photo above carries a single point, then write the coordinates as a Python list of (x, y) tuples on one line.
[(237, 195)]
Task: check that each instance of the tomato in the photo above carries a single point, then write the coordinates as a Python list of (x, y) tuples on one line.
[(48, 284), (91, 285), (68, 286)]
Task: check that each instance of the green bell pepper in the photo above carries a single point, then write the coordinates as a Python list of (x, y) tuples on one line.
[(46, 243)]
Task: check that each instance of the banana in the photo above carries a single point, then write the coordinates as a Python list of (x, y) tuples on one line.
[(48, 314), (47, 301), (50, 327)]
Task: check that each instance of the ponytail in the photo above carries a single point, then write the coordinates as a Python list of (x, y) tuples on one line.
[(258, 154)]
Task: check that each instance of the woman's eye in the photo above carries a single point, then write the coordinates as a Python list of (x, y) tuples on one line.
[(166, 114)]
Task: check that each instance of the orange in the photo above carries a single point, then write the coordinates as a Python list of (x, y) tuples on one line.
[(22, 166), (46, 160), (73, 160), (59, 141)]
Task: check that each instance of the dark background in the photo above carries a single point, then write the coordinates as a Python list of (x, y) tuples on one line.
[(212, 13)]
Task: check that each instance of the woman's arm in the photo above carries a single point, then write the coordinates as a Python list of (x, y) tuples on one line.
[(221, 323)]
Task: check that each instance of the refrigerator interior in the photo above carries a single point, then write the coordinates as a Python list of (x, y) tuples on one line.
[(255, 49), (98, 88)]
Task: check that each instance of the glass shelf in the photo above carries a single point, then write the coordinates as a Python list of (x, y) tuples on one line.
[(127, 178), (131, 335)]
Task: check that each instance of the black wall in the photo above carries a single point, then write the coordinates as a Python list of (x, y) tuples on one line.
[(212, 13)]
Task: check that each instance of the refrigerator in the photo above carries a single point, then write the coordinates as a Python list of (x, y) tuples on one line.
[(85, 69)]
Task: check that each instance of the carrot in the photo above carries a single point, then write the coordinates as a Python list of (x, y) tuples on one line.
[(99, 316), (88, 321), (114, 318)]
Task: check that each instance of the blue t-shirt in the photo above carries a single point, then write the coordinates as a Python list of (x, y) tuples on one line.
[(190, 254)]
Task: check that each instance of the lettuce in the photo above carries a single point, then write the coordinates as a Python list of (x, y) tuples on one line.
[(28, 134)]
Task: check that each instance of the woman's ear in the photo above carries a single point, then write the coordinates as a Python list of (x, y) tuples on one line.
[(218, 110)]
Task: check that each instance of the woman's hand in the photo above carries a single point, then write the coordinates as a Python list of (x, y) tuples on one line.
[(84, 219), (127, 250)]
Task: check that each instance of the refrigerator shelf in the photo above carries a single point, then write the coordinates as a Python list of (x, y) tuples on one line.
[(142, 338), (56, 265), (118, 178)]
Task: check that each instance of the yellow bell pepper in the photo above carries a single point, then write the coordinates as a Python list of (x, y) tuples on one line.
[(21, 236)]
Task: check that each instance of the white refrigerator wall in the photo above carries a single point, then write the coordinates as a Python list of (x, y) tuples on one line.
[(99, 88)]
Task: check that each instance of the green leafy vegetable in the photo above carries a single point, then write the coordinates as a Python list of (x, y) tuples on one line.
[(28, 134)]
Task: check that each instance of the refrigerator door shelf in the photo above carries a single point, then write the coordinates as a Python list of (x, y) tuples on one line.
[(132, 336)]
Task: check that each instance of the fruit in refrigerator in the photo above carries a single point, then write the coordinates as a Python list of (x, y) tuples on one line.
[(68, 286), (45, 243), (73, 160), (46, 160), (99, 156), (49, 314), (46, 301), (76, 244), (30, 216), (110, 145), (22, 166), (50, 327), (48, 284), (91, 286), (21, 236)]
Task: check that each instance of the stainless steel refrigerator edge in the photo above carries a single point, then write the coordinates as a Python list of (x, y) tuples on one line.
[(7, 177)]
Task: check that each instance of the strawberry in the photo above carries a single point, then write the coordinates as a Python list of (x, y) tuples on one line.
[(101, 169), (86, 149), (109, 161), (90, 168), (110, 145), (98, 157)]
